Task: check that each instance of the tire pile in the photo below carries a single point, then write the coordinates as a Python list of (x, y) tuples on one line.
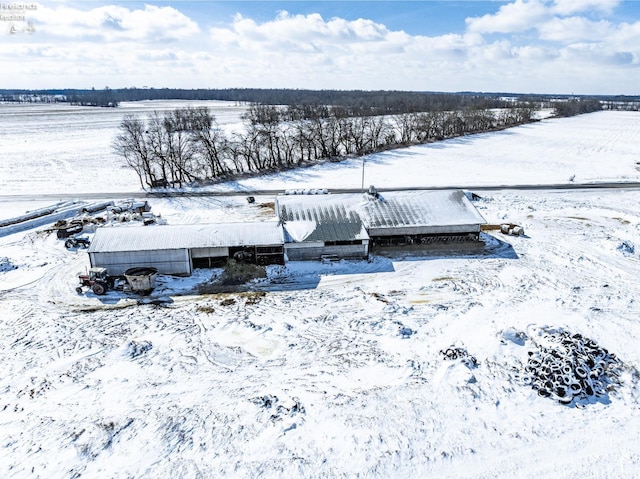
[(571, 368), (452, 354)]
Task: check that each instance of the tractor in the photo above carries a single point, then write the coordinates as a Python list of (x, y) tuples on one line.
[(77, 242), (97, 280)]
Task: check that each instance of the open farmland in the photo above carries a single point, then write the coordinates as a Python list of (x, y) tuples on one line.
[(46, 148), (307, 375)]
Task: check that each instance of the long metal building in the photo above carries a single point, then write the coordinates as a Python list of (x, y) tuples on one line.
[(323, 228), (348, 225), (308, 227), (178, 249)]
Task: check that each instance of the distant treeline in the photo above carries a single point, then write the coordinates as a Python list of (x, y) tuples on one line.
[(358, 102), (185, 146), (574, 107)]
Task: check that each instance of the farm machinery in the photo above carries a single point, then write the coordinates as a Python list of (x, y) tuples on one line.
[(77, 242), (138, 280)]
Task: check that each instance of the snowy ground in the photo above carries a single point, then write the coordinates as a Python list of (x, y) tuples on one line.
[(306, 375), (47, 148)]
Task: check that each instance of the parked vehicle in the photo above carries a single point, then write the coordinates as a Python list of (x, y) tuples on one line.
[(138, 280), (69, 229), (77, 242), (97, 281)]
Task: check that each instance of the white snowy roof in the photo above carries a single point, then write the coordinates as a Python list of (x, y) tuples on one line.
[(420, 208), (320, 221), (428, 208), (163, 237)]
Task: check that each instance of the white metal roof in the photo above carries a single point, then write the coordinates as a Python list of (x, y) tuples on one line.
[(428, 208), (420, 208), (163, 237), (324, 221)]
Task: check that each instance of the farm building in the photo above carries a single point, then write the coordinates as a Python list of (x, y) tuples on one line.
[(178, 249), (309, 227), (347, 225), (315, 229), (407, 217)]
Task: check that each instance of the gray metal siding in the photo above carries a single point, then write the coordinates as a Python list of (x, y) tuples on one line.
[(174, 261), (209, 252)]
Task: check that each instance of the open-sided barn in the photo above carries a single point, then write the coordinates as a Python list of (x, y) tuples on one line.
[(349, 224), (178, 249), (313, 230), (407, 217), (308, 227)]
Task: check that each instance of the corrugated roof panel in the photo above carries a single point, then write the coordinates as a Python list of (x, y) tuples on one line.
[(392, 209), (334, 219), (163, 237), (421, 208)]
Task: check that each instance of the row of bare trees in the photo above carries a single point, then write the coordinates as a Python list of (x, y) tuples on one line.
[(186, 145)]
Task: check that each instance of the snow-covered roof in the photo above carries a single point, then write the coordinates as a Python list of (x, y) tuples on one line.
[(322, 221), (163, 237), (338, 216), (420, 208)]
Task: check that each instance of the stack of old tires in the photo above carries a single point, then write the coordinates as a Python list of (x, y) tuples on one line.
[(454, 353), (571, 368)]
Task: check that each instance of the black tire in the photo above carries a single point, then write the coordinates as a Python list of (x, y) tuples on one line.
[(576, 388), (69, 244), (79, 290), (99, 288)]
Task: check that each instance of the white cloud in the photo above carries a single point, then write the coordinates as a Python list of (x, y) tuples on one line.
[(115, 23), (571, 7), (533, 46), (518, 16), (308, 32), (575, 29), (548, 17)]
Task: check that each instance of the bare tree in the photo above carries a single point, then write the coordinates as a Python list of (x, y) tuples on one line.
[(131, 144)]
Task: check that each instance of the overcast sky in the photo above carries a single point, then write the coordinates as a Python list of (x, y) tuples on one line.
[(538, 46)]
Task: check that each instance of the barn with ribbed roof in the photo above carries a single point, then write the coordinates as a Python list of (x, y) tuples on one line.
[(308, 227)]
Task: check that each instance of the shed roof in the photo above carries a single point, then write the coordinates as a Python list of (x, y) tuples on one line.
[(324, 221), (332, 213), (420, 208), (163, 237)]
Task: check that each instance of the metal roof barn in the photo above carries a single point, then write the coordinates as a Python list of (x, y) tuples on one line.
[(325, 221), (392, 213), (172, 249), (421, 212), (322, 229)]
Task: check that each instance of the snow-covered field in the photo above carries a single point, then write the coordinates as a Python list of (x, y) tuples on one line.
[(46, 148), (307, 374)]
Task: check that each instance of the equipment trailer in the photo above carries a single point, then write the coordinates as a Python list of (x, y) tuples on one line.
[(137, 280)]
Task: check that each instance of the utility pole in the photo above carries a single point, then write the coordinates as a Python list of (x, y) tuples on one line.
[(362, 187)]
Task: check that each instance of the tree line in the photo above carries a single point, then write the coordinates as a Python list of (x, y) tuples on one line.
[(575, 106), (361, 102), (186, 145)]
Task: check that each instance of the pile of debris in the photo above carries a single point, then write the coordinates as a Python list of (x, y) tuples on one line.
[(6, 264), (511, 229), (97, 214), (504, 228), (570, 367), (455, 353)]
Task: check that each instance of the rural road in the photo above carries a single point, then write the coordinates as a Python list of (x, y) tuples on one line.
[(201, 193)]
